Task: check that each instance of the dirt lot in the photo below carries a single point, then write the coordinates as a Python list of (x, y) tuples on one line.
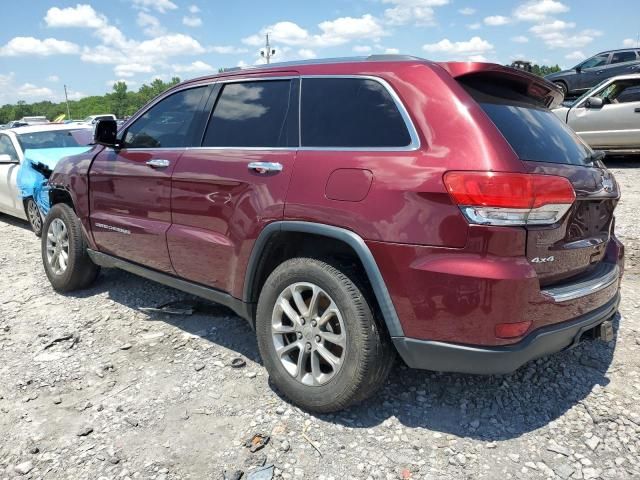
[(93, 387)]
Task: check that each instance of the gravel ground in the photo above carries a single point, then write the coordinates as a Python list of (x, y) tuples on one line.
[(92, 387)]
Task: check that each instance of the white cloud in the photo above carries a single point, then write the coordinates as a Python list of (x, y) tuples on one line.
[(520, 39), (496, 20), (332, 33), (391, 51), (150, 24), (419, 12), (560, 34), (168, 45), (19, 46), (131, 69), (577, 55), (195, 67), (306, 54), (474, 26), (83, 16), (192, 21), (11, 92), (159, 5), (53, 78), (75, 95), (227, 49), (472, 49), (362, 49), (467, 11), (538, 10), (28, 90), (630, 42), (194, 9)]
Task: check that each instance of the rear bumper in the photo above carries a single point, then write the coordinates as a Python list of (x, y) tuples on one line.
[(451, 357)]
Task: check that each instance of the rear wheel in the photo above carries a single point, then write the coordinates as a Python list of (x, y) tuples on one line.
[(318, 336), (64, 251), (34, 216)]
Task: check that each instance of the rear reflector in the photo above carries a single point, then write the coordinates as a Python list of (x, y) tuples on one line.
[(512, 330), (498, 198)]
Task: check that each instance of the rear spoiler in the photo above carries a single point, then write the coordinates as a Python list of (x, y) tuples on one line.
[(532, 85)]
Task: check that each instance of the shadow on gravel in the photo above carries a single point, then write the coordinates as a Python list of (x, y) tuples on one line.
[(622, 161), (15, 222), (490, 408)]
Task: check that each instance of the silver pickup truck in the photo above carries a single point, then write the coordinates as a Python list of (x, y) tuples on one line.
[(607, 117)]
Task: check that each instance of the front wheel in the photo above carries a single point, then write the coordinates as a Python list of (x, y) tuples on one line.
[(563, 87), (64, 251), (34, 216), (318, 336)]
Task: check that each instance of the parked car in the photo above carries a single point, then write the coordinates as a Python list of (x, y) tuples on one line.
[(93, 119), (352, 209), (608, 116), (594, 70), (22, 150)]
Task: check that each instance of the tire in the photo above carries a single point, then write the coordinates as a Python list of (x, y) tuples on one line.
[(78, 271), (563, 87), (365, 353), (34, 216)]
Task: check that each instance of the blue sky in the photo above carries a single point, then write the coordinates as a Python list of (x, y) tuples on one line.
[(45, 44)]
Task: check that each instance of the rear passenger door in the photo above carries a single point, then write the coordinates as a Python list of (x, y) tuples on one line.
[(130, 186), (228, 189)]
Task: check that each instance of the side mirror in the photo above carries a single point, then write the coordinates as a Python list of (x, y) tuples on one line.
[(106, 133), (6, 158), (578, 69), (594, 102)]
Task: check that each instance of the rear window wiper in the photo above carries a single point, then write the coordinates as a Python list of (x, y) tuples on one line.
[(595, 156)]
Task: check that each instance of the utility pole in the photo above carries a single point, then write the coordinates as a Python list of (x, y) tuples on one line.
[(66, 97), (268, 52)]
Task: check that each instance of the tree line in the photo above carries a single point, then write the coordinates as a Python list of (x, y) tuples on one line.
[(120, 101)]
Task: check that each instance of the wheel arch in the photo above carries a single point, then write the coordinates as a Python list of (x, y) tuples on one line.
[(343, 236)]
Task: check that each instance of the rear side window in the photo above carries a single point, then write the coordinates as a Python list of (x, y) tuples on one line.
[(167, 124), (621, 57), (255, 114), (350, 113), (534, 132)]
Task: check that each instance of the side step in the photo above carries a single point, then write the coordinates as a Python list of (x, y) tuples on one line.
[(238, 306)]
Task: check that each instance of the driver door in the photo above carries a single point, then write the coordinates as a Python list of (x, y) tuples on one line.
[(130, 187)]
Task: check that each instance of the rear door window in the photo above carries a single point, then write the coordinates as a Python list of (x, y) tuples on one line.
[(621, 57), (262, 114), (350, 113)]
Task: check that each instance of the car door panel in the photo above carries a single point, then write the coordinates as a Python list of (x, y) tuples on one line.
[(9, 196), (130, 187), (220, 203), (131, 205), (219, 207)]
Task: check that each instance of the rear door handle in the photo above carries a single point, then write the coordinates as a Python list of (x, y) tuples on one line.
[(265, 167), (158, 163)]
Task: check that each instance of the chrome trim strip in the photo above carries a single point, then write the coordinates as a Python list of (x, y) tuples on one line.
[(604, 276)]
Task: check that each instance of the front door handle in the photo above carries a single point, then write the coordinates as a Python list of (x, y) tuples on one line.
[(637, 110), (265, 167), (158, 163)]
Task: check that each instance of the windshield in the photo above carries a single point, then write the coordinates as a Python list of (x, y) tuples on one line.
[(55, 139), (536, 134)]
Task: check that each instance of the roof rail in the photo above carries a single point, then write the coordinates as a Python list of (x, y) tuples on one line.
[(321, 61)]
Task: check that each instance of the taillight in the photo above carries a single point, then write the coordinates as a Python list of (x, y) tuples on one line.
[(499, 198)]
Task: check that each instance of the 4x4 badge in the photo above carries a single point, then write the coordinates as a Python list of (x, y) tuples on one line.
[(543, 259)]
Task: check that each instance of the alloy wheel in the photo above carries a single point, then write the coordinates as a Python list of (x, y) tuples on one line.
[(34, 215), (308, 334), (57, 246)]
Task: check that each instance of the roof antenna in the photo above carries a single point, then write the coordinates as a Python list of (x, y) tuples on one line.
[(268, 52)]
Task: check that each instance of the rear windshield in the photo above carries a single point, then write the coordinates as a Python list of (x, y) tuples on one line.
[(533, 131), (537, 135)]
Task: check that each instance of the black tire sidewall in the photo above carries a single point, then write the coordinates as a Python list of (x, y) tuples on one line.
[(357, 318), (72, 276)]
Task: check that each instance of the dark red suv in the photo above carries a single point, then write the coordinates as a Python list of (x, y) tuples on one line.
[(351, 209)]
